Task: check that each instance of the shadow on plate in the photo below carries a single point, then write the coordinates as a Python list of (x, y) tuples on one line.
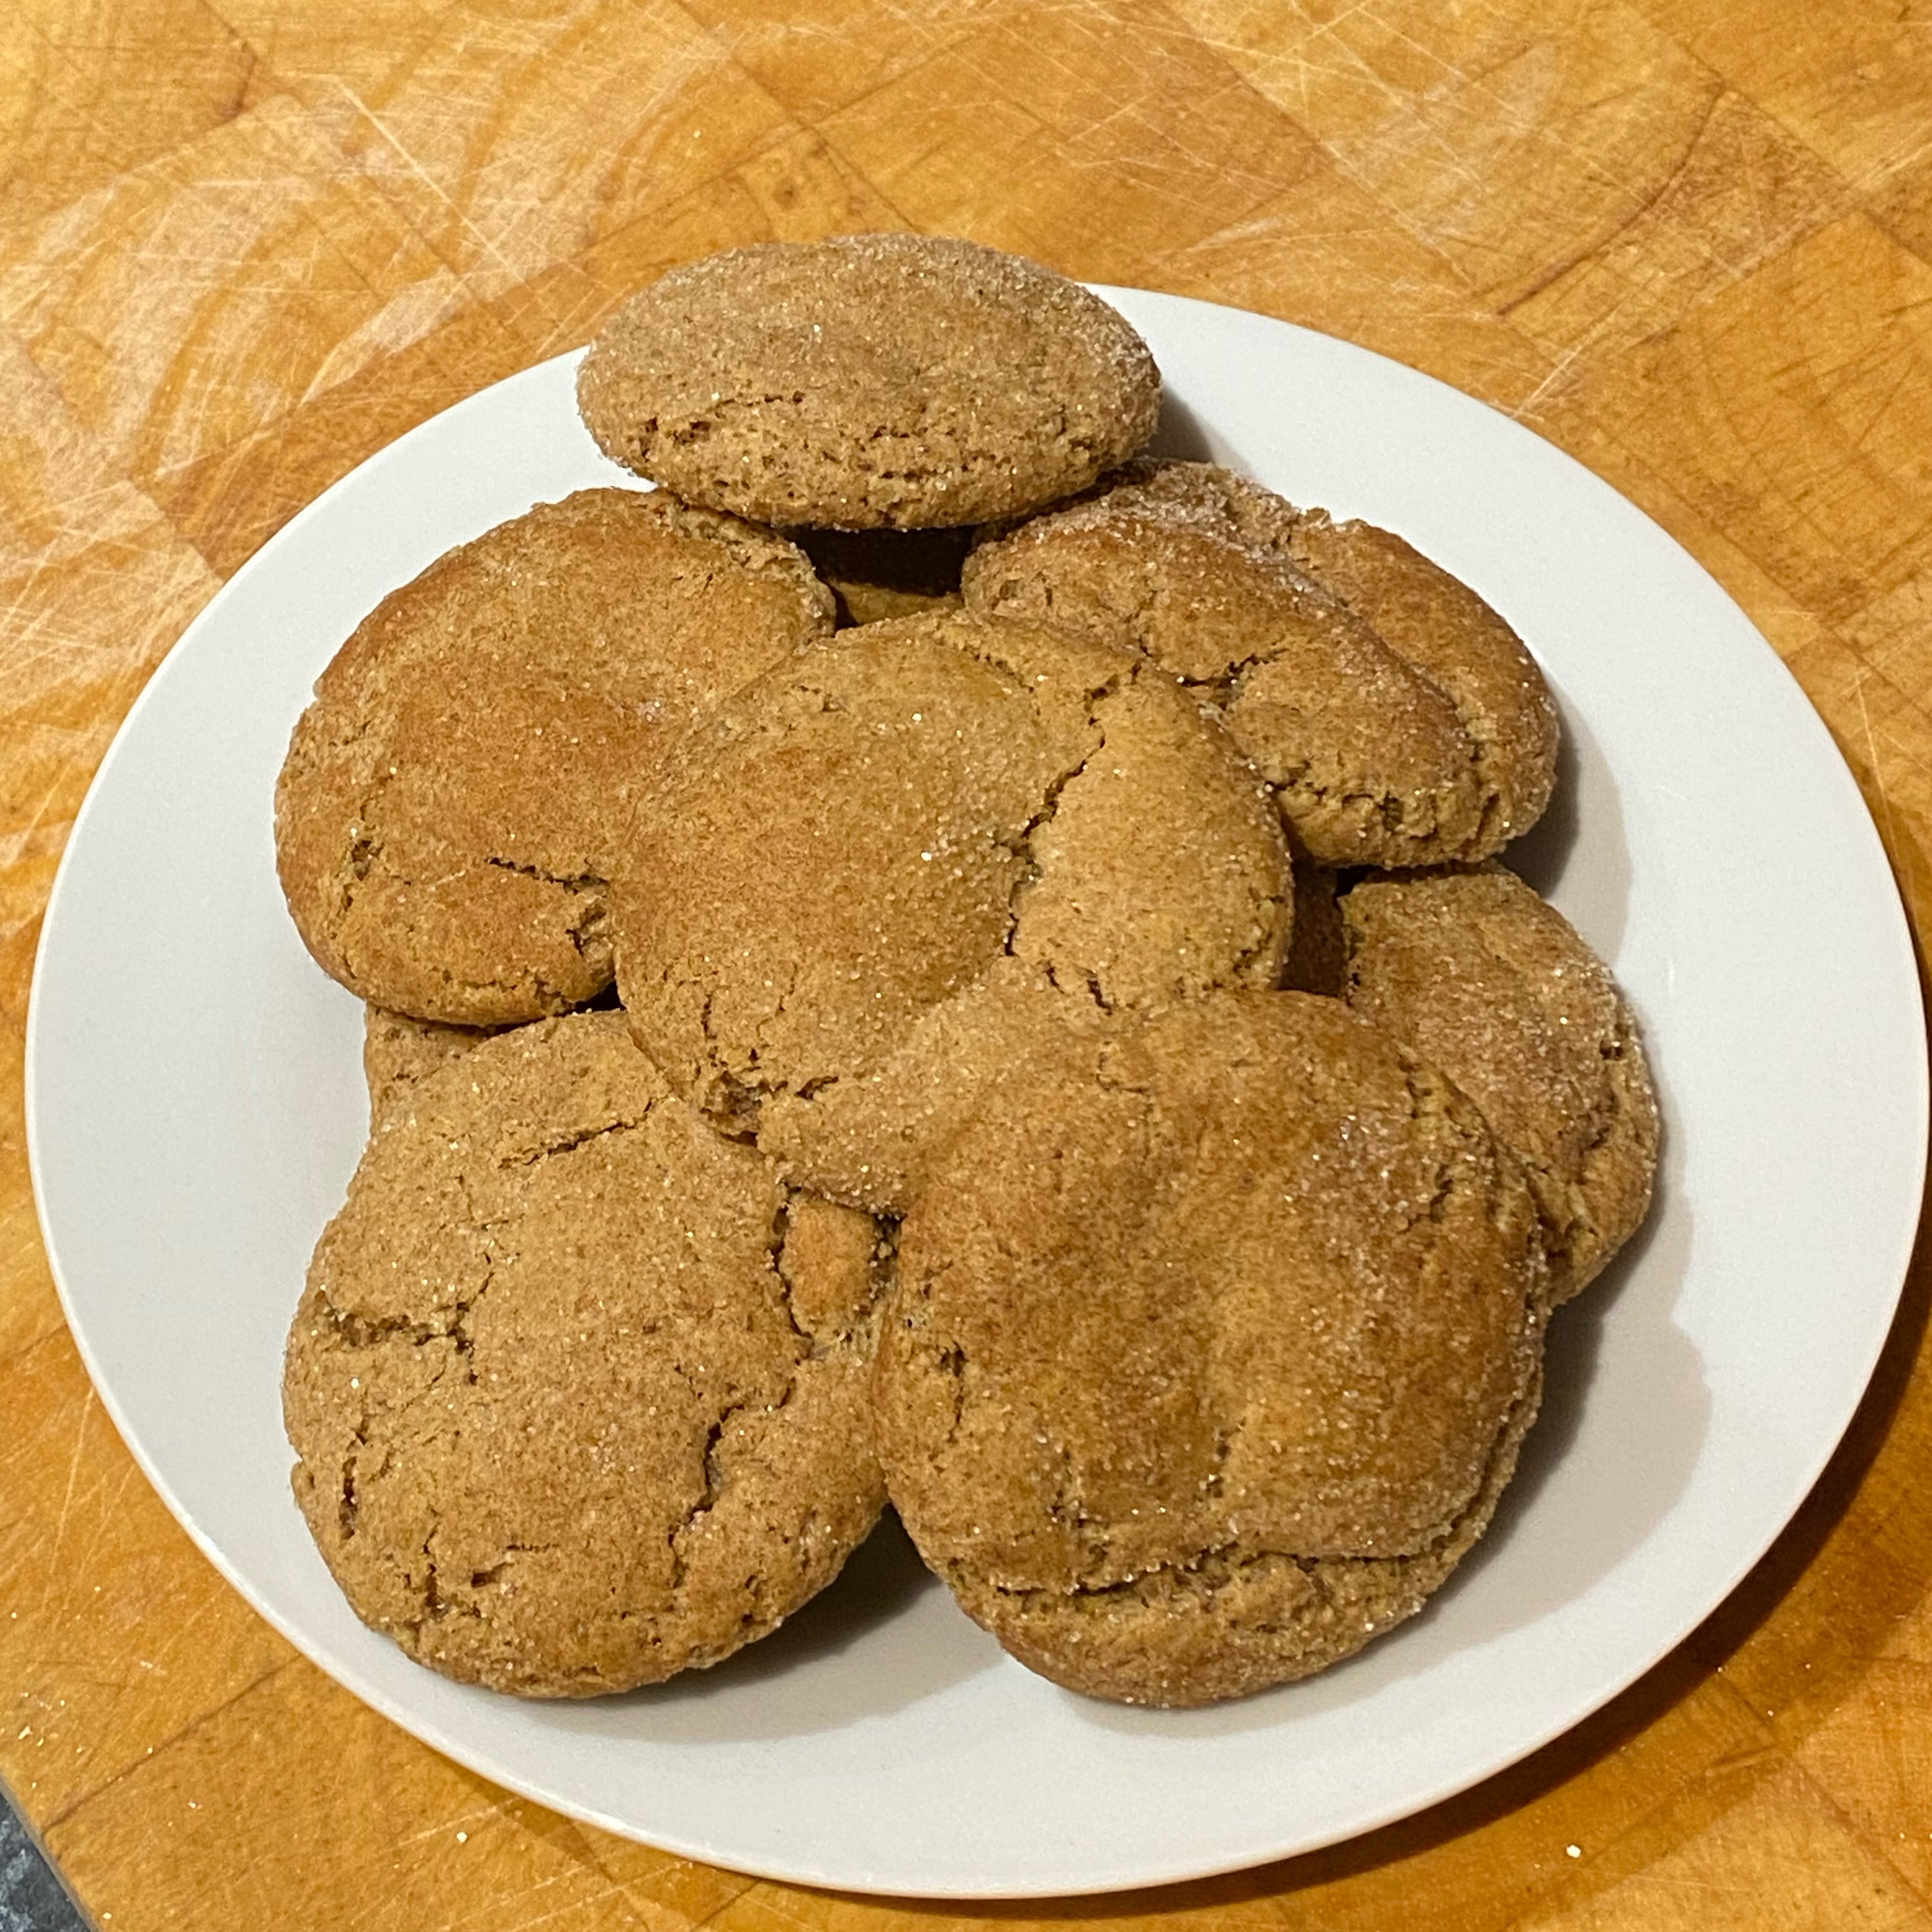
[(883, 1636), (1595, 898), (1181, 437), (1657, 1442)]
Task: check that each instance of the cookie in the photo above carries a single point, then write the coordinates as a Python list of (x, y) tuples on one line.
[(578, 1387), (875, 574), (872, 1138), (1475, 972), (1400, 721), (399, 1054), (1444, 628), (446, 816), (869, 382), (864, 833), (1211, 1349)]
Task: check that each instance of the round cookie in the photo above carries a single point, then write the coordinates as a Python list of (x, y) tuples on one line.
[(1441, 626), (445, 818), (1211, 1349), (871, 381), (863, 835), (578, 1387), (1479, 975), (1400, 721)]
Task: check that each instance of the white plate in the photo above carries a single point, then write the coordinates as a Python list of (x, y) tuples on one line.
[(195, 1107)]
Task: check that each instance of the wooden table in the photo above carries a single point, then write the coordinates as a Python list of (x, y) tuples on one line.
[(243, 243)]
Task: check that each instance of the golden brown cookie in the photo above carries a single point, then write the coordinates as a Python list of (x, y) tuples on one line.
[(872, 1138), (579, 1387), (1478, 974), (1443, 629), (399, 1054), (1211, 1349), (875, 574), (1400, 720), (445, 819), (871, 381), (859, 838)]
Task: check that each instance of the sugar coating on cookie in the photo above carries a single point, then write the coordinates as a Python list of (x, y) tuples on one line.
[(865, 833), (1444, 628), (869, 382), (874, 1137), (578, 1386), (400, 1053), (1400, 721), (446, 818), (1210, 1347), (1478, 974)]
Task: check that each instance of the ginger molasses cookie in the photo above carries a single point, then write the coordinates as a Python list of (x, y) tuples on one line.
[(872, 1137), (1441, 626), (446, 820), (399, 1054), (860, 837), (1477, 973), (579, 1387), (1401, 722), (872, 381), (1211, 1349)]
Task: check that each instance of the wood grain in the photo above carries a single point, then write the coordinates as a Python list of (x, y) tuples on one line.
[(245, 243)]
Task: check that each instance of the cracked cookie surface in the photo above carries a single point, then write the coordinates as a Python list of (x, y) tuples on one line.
[(578, 1387), (869, 382), (1210, 1347), (1477, 973), (399, 1054), (868, 833), (445, 817), (1399, 720)]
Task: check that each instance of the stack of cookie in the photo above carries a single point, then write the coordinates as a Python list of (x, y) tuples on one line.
[(1075, 1068)]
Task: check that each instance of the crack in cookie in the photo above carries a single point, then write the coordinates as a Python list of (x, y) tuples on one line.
[(918, 832), (578, 1389), (1211, 1344)]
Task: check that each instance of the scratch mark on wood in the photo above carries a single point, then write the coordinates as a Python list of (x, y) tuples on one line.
[(1560, 368), (428, 181), (54, 1570), (1862, 673), (1648, 201)]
